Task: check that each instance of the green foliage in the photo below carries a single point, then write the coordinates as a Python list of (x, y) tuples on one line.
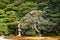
[(11, 12), (2, 5), (25, 8), (30, 33), (8, 18), (2, 12), (4, 28), (56, 1)]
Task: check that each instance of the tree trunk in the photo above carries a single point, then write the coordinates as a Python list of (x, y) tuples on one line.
[(37, 29), (19, 30)]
